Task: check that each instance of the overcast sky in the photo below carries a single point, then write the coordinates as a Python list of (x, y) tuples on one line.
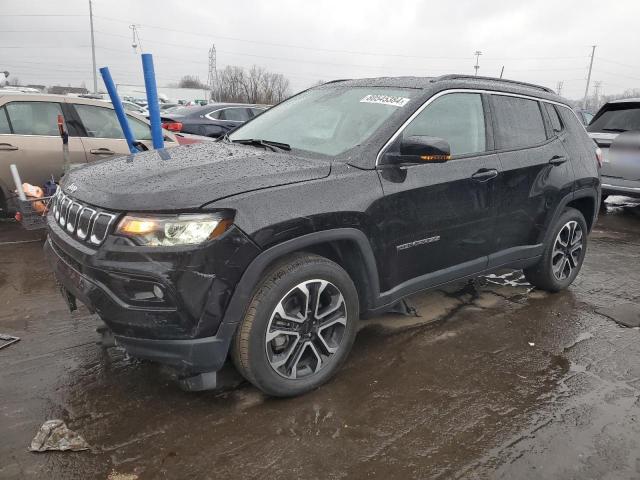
[(542, 41)]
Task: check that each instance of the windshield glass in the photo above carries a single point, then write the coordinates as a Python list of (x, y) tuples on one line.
[(326, 120), (617, 118)]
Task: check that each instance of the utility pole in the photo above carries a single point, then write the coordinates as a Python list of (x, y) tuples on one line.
[(559, 87), (596, 86), (586, 90), (93, 50), (477, 66), (212, 79), (502, 71)]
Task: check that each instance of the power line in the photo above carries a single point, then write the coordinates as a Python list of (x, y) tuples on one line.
[(44, 31), (619, 63), (43, 15), (209, 36)]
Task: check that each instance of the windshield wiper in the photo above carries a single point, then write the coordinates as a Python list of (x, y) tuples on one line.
[(615, 130), (268, 144)]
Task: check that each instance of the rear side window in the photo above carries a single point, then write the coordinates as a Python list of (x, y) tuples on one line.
[(4, 122), (457, 118), (235, 114), (556, 123), (141, 131), (34, 118), (99, 122), (617, 118), (519, 122), (102, 122)]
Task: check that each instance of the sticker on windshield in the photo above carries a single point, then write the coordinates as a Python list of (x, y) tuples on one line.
[(385, 100)]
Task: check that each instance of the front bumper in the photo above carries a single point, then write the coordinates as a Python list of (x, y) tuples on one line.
[(187, 328)]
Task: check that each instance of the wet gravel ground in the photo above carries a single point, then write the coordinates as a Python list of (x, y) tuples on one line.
[(493, 380)]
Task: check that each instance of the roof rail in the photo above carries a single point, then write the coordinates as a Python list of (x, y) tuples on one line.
[(492, 79), (336, 81)]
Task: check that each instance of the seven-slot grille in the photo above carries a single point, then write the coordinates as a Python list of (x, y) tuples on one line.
[(77, 219)]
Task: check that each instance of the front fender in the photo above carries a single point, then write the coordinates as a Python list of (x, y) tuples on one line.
[(241, 297)]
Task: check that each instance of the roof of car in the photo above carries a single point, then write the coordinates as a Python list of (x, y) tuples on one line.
[(48, 97), (198, 109), (625, 100), (455, 81)]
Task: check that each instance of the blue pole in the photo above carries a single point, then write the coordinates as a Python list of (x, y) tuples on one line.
[(117, 106), (152, 100)]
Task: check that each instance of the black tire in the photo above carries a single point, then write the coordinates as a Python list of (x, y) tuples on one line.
[(254, 356), (542, 275)]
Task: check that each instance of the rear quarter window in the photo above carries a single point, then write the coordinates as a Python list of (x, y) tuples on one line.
[(554, 118), (519, 122)]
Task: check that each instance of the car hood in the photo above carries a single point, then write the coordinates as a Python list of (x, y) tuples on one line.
[(187, 177)]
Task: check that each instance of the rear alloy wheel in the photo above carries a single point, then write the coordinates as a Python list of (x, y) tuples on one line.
[(299, 326), (567, 250), (563, 253)]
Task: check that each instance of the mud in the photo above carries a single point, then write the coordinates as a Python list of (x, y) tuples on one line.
[(492, 380)]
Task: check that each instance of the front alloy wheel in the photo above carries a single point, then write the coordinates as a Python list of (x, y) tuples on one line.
[(299, 326), (306, 329)]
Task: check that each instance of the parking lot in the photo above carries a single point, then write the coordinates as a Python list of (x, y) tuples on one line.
[(494, 379)]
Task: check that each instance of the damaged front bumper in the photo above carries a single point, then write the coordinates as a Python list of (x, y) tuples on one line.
[(165, 305)]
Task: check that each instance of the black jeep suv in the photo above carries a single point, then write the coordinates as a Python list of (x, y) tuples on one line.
[(269, 245)]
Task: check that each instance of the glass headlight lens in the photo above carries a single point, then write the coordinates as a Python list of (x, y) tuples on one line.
[(173, 230)]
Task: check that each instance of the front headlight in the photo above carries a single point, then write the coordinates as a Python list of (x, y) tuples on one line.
[(172, 230)]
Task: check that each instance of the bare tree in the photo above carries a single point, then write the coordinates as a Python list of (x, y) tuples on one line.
[(256, 85), (191, 81)]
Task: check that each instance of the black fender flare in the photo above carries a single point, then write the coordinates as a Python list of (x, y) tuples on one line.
[(568, 198), (241, 296)]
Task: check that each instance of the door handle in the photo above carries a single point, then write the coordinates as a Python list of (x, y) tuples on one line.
[(102, 151), (557, 160), (485, 174), (7, 147)]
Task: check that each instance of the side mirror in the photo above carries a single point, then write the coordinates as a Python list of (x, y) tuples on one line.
[(419, 149)]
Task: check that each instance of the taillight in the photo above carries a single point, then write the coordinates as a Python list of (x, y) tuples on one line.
[(172, 126), (599, 157)]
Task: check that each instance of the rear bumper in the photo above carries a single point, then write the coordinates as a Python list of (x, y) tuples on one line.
[(620, 186)]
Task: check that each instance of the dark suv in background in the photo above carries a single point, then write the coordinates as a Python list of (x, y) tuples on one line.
[(212, 120), (269, 245)]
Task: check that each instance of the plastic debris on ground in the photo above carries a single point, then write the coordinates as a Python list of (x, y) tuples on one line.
[(6, 340), (55, 435)]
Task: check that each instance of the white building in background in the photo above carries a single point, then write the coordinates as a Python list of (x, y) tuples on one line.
[(166, 94)]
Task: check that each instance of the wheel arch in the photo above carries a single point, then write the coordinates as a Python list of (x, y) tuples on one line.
[(586, 202), (348, 247)]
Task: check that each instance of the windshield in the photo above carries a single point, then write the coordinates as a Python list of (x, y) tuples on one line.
[(326, 120), (617, 118)]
